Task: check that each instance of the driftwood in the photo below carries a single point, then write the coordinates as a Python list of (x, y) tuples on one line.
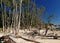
[(3, 38), (12, 40), (27, 39)]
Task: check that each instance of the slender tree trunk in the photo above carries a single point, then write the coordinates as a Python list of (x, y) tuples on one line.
[(20, 14), (8, 21), (13, 21), (23, 19), (46, 30), (13, 17), (5, 17), (2, 16), (16, 16)]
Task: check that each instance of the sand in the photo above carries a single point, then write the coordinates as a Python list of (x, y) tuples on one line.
[(19, 40)]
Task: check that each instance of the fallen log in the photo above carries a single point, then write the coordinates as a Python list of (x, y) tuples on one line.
[(12, 40), (6, 39), (27, 39)]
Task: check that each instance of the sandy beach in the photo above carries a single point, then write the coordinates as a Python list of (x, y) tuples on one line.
[(19, 40)]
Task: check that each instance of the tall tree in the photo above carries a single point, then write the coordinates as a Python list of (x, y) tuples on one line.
[(50, 17)]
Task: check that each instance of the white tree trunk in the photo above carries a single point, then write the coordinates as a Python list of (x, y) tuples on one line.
[(20, 14)]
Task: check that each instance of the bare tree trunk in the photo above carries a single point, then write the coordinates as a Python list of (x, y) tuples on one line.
[(46, 29), (13, 20), (13, 17), (23, 19), (16, 20), (20, 14), (8, 21), (2, 16), (5, 17), (28, 15)]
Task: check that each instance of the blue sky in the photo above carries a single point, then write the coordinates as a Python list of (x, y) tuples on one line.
[(51, 7)]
